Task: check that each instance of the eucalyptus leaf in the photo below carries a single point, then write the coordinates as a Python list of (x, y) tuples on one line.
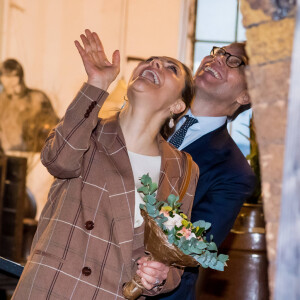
[(212, 247), (171, 238), (219, 266), (152, 187), (202, 224), (143, 206), (201, 245), (223, 257), (150, 209), (171, 200), (143, 189), (150, 199), (146, 179)]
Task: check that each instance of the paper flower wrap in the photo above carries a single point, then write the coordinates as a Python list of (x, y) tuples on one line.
[(171, 239)]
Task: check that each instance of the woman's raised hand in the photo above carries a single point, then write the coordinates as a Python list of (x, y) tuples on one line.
[(101, 73)]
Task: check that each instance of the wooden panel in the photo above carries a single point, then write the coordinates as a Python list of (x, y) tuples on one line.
[(13, 208), (2, 181)]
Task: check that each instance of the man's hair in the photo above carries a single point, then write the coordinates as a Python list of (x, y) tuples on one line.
[(11, 65), (244, 107)]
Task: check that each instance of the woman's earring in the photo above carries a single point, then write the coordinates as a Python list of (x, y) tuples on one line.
[(125, 101), (171, 122)]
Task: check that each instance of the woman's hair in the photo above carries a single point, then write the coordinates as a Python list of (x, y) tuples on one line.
[(187, 95)]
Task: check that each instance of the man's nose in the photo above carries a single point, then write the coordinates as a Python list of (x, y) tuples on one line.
[(219, 58)]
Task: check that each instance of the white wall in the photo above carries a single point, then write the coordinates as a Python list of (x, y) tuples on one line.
[(40, 34)]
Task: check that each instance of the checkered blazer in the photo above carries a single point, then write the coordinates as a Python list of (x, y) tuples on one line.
[(83, 245)]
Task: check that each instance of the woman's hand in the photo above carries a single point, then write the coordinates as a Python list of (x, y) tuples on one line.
[(152, 273), (101, 73)]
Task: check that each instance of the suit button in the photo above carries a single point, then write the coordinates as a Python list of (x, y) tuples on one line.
[(89, 225), (86, 115), (86, 271)]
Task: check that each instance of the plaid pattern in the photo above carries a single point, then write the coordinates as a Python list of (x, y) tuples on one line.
[(70, 258)]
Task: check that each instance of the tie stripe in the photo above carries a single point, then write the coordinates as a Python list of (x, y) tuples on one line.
[(179, 135)]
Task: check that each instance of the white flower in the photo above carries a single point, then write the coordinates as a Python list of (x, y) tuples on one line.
[(191, 236), (171, 222)]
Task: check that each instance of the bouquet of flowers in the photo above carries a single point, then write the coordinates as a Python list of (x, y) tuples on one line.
[(171, 239)]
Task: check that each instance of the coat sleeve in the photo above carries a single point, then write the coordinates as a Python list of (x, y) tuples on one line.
[(218, 201), (66, 144), (174, 275)]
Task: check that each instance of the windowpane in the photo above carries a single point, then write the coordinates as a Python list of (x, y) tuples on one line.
[(216, 20), (201, 50), (241, 34), (239, 130)]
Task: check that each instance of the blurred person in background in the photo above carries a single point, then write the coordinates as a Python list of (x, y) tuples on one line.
[(26, 115)]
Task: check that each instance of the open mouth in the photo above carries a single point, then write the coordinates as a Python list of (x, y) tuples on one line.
[(151, 76), (213, 72)]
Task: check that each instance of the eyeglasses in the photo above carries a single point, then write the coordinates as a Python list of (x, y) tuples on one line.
[(232, 61)]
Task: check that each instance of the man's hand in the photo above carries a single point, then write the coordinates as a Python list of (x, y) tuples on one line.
[(101, 73), (152, 273)]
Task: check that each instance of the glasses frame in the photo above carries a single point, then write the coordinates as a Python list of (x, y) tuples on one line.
[(225, 53)]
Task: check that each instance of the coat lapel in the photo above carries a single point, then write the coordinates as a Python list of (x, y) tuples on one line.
[(171, 171)]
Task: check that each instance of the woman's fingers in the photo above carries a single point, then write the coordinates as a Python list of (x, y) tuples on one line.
[(92, 41), (98, 42), (116, 59), (79, 48), (152, 272), (146, 284), (86, 44)]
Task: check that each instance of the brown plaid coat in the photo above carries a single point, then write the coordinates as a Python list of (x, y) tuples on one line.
[(83, 245)]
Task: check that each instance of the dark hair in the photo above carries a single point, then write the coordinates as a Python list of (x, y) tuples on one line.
[(244, 107), (12, 65), (187, 95)]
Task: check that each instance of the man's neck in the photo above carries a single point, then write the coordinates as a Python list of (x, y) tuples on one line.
[(202, 108)]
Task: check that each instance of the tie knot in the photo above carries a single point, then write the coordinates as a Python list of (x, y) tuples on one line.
[(179, 135), (189, 121)]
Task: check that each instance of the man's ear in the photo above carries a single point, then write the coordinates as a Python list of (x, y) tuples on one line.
[(178, 107), (243, 98)]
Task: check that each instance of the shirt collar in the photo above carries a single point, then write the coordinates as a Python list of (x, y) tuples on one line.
[(210, 123)]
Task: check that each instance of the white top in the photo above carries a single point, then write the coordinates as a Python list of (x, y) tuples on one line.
[(142, 164), (204, 126)]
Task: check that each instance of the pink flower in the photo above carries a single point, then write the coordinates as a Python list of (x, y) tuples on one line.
[(187, 233), (165, 213)]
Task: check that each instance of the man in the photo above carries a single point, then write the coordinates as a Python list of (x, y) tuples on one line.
[(226, 179), (26, 115)]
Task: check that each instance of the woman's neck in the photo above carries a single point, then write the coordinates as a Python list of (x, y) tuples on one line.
[(140, 130)]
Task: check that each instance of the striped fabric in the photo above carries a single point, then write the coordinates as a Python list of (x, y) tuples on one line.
[(83, 247)]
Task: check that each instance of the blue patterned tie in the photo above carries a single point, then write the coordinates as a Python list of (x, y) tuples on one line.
[(179, 135)]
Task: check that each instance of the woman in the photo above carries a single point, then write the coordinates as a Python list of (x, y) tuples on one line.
[(90, 234)]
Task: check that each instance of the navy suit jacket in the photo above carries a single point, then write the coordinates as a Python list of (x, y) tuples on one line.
[(226, 181)]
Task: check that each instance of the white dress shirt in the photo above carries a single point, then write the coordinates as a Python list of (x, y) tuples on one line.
[(204, 126)]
